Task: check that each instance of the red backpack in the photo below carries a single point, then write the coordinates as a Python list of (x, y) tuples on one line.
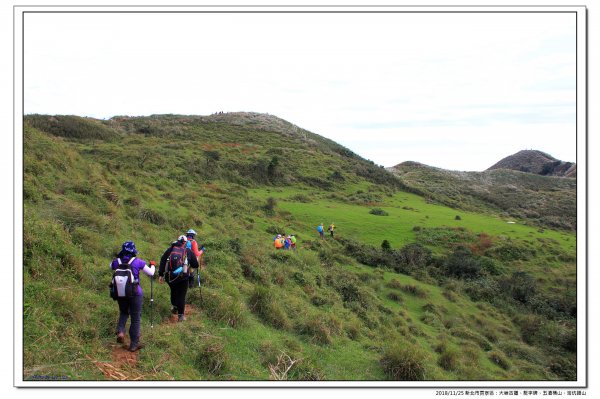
[(176, 264)]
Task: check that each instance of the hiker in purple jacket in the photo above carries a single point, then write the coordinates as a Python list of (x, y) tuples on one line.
[(133, 305)]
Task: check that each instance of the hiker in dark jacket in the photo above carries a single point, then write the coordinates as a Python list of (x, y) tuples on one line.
[(175, 267), (131, 306)]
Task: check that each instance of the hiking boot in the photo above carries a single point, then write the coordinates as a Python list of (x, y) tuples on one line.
[(174, 310), (120, 337), (135, 347), (181, 318)]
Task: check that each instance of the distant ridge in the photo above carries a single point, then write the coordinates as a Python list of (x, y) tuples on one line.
[(544, 200), (538, 162)]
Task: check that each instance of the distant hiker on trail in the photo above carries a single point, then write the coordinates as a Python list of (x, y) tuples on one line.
[(321, 231), (278, 241), (293, 240), (175, 265), (331, 228), (193, 245), (126, 290), (288, 242)]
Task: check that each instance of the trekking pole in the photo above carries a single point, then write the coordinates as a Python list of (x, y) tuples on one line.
[(200, 285), (151, 302)]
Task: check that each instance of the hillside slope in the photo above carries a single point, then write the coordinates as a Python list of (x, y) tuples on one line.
[(537, 162), (446, 299), (544, 200)]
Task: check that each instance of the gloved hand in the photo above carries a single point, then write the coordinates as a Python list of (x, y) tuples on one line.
[(152, 263)]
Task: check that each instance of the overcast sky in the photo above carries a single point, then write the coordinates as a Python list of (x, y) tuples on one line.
[(458, 91)]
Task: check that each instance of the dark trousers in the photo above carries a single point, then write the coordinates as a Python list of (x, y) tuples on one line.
[(131, 307), (178, 293)]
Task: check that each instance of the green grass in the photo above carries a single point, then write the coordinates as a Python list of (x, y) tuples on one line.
[(85, 193)]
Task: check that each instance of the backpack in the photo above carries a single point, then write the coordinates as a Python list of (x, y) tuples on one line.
[(123, 284), (320, 229), (176, 263)]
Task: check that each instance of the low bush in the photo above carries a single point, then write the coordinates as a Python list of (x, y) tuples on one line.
[(321, 328), (462, 264), (395, 297), (521, 286), (223, 308), (499, 359), (414, 290), (449, 359), (404, 363), (465, 333), (410, 258), (211, 357), (378, 212), (264, 304)]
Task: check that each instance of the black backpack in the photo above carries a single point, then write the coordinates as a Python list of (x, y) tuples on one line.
[(123, 284), (176, 264)]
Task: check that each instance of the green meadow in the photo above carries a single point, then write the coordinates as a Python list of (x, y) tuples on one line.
[(409, 289)]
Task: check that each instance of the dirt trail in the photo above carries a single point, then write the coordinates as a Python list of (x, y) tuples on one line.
[(189, 310), (123, 366)]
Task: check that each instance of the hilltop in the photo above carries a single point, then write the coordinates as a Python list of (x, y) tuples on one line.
[(409, 288), (537, 162)]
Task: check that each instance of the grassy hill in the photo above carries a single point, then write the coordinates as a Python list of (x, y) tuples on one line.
[(545, 201), (538, 162), (408, 290)]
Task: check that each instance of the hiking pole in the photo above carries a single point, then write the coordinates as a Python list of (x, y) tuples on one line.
[(151, 302), (200, 285)]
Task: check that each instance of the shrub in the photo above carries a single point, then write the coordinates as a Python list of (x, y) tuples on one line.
[(211, 357), (448, 359), (366, 254), (270, 205), (404, 363), (319, 300), (457, 217), (395, 297), (151, 216), (462, 332), (394, 284), (499, 359), (352, 329), (564, 368), (462, 264), (414, 290), (306, 370), (264, 304), (410, 258), (385, 245), (450, 295), (431, 319), (378, 212), (483, 289), (520, 286), (320, 328), (511, 251), (223, 308)]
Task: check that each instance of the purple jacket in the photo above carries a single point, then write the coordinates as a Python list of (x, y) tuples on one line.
[(136, 267)]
